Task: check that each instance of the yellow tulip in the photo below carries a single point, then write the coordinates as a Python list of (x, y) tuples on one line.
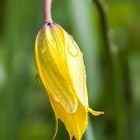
[(60, 66)]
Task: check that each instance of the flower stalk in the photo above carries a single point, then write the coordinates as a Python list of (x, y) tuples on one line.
[(47, 11)]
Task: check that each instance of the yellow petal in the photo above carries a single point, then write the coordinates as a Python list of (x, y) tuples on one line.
[(76, 69), (51, 67), (76, 123)]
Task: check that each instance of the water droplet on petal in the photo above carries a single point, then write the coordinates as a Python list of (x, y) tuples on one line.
[(82, 54), (37, 78), (72, 50), (74, 81), (85, 72), (43, 49)]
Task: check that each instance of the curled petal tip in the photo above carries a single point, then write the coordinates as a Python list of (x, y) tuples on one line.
[(95, 113)]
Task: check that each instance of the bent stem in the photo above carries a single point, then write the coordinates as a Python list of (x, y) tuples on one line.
[(47, 11)]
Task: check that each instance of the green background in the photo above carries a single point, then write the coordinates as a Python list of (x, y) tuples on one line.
[(113, 71)]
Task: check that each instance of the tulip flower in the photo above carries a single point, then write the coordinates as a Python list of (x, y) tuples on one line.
[(60, 66)]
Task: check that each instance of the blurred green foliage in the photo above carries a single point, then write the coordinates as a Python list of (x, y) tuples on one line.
[(113, 72)]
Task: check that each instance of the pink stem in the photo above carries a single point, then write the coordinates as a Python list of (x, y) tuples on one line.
[(47, 10)]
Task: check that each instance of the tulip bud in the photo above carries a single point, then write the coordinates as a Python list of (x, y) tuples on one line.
[(61, 69)]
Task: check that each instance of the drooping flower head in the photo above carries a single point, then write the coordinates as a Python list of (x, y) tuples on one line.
[(60, 66)]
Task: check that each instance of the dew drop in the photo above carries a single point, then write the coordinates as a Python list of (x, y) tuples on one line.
[(85, 73), (37, 78), (72, 50), (74, 81), (82, 54), (43, 50)]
